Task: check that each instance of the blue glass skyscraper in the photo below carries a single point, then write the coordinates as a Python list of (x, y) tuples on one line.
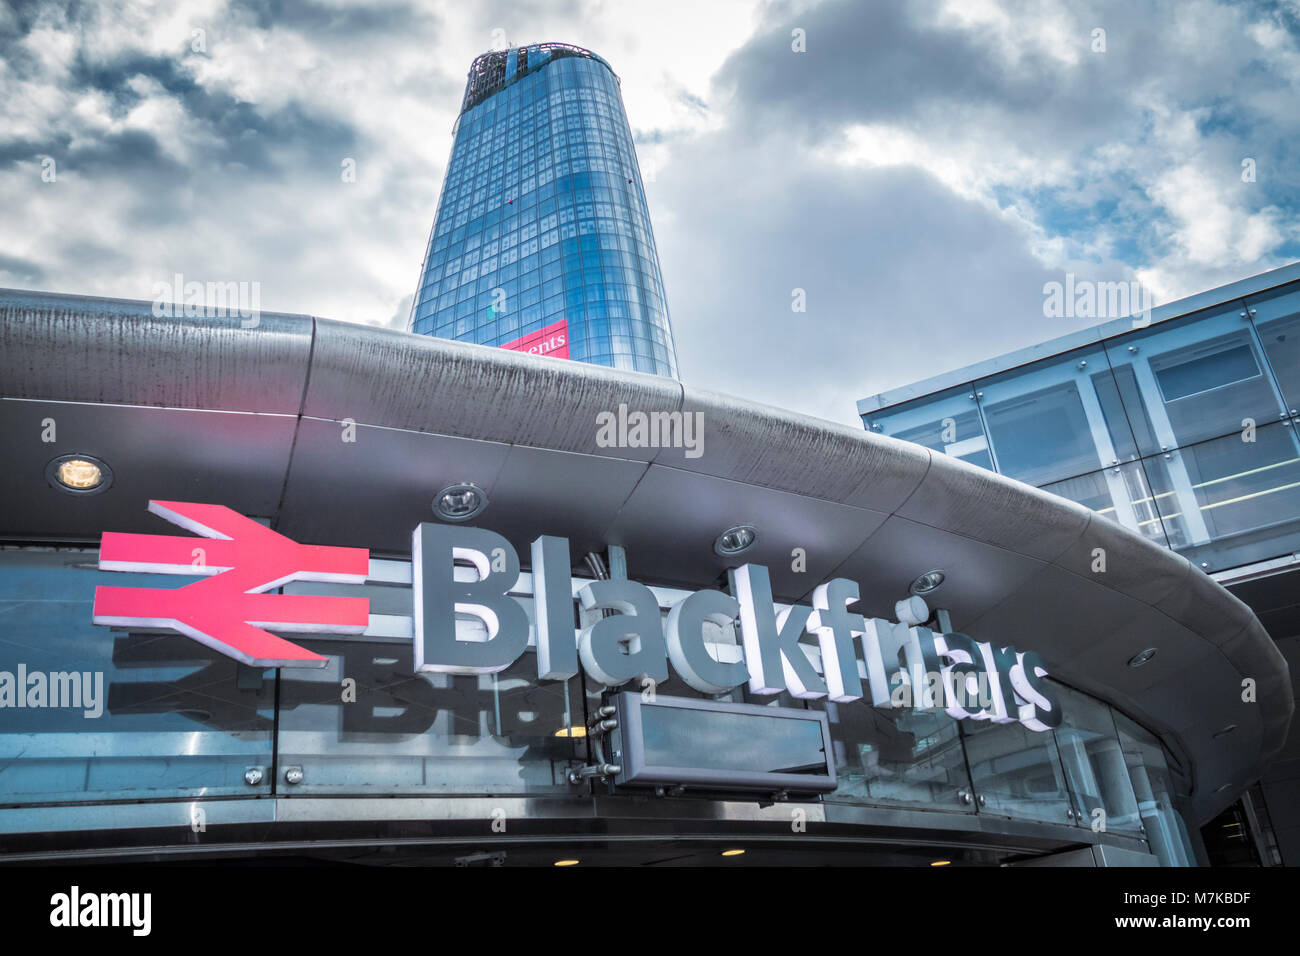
[(542, 226)]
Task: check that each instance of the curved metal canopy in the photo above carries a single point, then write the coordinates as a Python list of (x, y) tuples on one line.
[(203, 409)]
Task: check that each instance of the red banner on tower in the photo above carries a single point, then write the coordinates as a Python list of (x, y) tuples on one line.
[(552, 340)]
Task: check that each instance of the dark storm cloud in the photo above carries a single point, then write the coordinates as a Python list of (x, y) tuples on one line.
[(885, 62), (113, 153), (863, 61), (326, 19), (902, 280), (19, 272), (22, 17), (241, 133), (880, 62), (101, 254), (1286, 15), (220, 156), (519, 18), (904, 277)]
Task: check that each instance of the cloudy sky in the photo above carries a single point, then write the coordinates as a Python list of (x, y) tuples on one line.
[(920, 169)]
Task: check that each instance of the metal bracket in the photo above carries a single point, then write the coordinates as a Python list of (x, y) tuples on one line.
[(597, 770), (604, 724)]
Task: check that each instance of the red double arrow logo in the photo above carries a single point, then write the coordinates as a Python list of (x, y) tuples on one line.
[(229, 610)]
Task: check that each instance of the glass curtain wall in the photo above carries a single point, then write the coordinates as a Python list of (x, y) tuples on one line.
[(1185, 431), (543, 220)]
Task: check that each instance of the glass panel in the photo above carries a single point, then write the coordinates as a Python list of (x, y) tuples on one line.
[(1016, 771), (1189, 380), (948, 422), (1229, 502), (1094, 765), (1277, 321), (1222, 367), (431, 733), (906, 760), (1056, 419), (1153, 787), (678, 737), (158, 714), (1121, 493)]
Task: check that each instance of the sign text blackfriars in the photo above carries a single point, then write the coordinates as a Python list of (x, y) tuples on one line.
[(860, 657)]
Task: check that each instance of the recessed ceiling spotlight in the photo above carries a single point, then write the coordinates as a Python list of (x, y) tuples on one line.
[(735, 540), (927, 582), (1141, 657), (79, 474), (942, 863), (460, 502), (735, 852), (566, 862)]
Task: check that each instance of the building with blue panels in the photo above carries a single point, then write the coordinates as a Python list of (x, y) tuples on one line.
[(542, 224), (1179, 425)]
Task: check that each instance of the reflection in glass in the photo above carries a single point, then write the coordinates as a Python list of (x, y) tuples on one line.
[(1056, 419), (426, 733), (1188, 381), (678, 737), (1231, 501), (1017, 771), (948, 422), (1094, 765), (1120, 493), (902, 758), (1277, 322), (174, 718), (1153, 788)]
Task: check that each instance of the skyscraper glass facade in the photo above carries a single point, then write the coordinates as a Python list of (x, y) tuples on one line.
[(542, 226)]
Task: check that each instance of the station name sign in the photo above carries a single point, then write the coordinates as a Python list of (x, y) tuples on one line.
[(905, 665), (893, 665)]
